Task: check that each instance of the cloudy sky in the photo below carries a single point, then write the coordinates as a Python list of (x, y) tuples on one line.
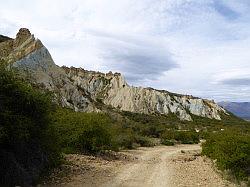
[(185, 46)]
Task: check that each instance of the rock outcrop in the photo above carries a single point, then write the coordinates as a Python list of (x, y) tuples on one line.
[(21, 46), (80, 89)]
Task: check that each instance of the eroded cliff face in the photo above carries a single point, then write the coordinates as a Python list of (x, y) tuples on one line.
[(113, 90), (81, 89)]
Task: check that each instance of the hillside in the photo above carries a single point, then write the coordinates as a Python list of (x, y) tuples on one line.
[(85, 91), (4, 38), (48, 112), (240, 109)]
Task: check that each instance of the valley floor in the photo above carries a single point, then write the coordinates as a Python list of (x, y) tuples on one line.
[(169, 166)]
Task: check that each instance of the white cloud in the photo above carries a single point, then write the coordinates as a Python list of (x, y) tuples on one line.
[(187, 46)]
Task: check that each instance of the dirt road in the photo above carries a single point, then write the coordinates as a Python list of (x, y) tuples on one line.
[(152, 168), (167, 166), (158, 166)]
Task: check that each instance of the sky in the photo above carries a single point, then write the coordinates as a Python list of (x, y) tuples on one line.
[(199, 48)]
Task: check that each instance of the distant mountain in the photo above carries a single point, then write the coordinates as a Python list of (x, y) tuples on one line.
[(240, 109)]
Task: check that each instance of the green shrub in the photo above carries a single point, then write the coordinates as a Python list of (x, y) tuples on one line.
[(144, 141), (27, 139), (124, 139), (150, 125), (168, 134), (94, 138), (230, 150), (83, 132), (93, 132), (167, 142), (185, 137)]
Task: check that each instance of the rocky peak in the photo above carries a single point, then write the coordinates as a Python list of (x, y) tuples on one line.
[(24, 44), (22, 35)]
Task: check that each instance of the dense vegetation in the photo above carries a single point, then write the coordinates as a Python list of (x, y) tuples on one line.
[(94, 132), (81, 131), (170, 137), (231, 150), (27, 141), (170, 128)]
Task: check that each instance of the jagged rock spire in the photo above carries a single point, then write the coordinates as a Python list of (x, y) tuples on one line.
[(22, 35)]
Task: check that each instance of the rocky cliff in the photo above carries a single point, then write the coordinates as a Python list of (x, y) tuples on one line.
[(81, 89)]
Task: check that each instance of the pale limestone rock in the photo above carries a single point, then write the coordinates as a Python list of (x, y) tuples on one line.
[(24, 44), (80, 90), (40, 68), (142, 100)]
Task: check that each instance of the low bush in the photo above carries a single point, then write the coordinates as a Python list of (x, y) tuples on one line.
[(27, 139), (83, 132), (94, 132), (125, 140), (184, 137), (187, 137), (94, 138), (231, 150), (167, 142), (144, 141)]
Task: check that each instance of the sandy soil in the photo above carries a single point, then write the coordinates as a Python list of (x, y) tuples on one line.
[(169, 166)]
